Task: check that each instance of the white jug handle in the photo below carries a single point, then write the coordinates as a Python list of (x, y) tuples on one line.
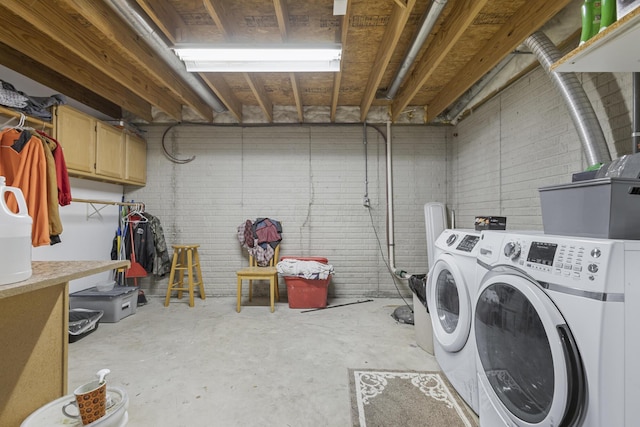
[(22, 205)]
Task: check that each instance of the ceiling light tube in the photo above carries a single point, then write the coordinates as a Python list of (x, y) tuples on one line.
[(257, 58)]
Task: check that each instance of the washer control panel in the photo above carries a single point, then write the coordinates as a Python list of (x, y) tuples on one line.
[(560, 258)]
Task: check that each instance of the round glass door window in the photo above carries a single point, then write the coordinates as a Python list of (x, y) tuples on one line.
[(447, 301), (515, 351)]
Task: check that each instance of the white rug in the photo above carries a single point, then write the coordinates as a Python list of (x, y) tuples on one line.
[(392, 398)]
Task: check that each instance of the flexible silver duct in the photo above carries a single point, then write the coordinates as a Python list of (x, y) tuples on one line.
[(130, 15), (580, 109), (426, 25)]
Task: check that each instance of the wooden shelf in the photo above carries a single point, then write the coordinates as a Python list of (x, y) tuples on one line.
[(30, 120), (613, 50)]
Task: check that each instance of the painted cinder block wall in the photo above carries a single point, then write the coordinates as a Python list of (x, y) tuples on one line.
[(524, 139), (311, 178)]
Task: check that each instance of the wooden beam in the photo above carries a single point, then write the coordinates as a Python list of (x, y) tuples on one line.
[(337, 77), (134, 50), (165, 17), (217, 13), (219, 86), (393, 31), (27, 39), (462, 15), (57, 25), (260, 94), (295, 87), (526, 20), (41, 73), (282, 15)]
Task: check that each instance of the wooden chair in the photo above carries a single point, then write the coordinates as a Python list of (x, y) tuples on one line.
[(254, 272)]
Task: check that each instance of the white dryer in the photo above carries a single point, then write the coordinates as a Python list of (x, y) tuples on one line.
[(553, 325), (450, 290)]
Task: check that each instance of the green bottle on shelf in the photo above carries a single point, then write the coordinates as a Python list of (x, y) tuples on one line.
[(608, 16), (597, 17), (587, 20)]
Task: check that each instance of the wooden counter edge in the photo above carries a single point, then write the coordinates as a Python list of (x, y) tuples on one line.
[(51, 273)]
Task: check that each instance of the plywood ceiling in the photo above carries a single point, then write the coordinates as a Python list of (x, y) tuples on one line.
[(91, 51)]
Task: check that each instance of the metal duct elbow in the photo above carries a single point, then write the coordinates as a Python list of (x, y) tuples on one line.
[(580, 109), (131, 16)]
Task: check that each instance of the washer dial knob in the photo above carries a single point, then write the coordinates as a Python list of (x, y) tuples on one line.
[(512, 250), (451, 239)]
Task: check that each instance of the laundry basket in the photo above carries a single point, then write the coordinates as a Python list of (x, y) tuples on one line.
[(307, 293)]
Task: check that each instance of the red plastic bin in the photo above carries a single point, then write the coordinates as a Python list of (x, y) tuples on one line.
[(307, 293)]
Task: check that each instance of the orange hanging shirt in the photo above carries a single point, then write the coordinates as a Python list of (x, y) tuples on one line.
[(27, 170)]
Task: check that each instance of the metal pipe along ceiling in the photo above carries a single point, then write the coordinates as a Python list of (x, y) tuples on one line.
[(580, 108), (426, 25), (130, 15)]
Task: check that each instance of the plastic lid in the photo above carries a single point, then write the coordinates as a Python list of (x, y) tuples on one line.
[(50, 415)]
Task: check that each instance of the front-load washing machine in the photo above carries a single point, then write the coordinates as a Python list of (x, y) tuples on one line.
[(554, 322), (450, 290)]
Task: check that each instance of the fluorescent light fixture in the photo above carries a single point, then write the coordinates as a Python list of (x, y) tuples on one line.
[(339, 7), (260, 58)]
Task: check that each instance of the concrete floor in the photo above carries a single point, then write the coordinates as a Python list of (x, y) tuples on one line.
[(210, 366)]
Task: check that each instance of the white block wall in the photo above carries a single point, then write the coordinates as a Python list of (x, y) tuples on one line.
[(524, 139), (312, 179)]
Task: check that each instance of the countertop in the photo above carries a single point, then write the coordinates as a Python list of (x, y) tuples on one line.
[(50, 273)]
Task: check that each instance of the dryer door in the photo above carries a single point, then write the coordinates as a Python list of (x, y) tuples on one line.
[(527, 357), (449, 304)]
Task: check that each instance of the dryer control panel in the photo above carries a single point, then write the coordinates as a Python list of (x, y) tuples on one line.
[(575, 262)]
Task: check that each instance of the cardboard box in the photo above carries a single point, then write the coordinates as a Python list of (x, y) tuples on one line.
[(117, 303), (491, 223)]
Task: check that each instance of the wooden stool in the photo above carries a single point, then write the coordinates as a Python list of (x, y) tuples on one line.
[(185, 258)]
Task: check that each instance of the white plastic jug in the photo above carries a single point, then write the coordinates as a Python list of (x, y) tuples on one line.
[(15, 237)]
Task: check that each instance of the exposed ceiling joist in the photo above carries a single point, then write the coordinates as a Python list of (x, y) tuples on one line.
[(530, 17), (133, 49), (30, 41), (462, 15), (36, 71), (337, 80), (119, 53), (392, 34)]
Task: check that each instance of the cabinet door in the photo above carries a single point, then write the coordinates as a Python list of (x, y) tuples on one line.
[(77, 135), (109, 151), (135, 159)]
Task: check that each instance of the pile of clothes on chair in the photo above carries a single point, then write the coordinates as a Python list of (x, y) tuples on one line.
[(260, 238)]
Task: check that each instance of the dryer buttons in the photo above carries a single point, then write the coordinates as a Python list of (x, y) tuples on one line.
[(593, 268), (595, 252)]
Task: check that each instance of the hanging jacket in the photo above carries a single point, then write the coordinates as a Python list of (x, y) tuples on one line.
[(162, 262), (143, 245)]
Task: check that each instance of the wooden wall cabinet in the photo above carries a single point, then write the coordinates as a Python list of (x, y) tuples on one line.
[(135, 170), (96, 150)]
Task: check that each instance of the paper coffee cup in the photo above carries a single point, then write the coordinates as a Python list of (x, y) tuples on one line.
[(91, 399)]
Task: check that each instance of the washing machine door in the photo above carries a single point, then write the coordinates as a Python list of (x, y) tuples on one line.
[(527, 357), (449, 304)]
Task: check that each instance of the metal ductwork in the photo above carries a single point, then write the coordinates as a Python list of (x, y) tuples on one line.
[(452, 114), (580, 109), (426, 25), (136, 21)]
